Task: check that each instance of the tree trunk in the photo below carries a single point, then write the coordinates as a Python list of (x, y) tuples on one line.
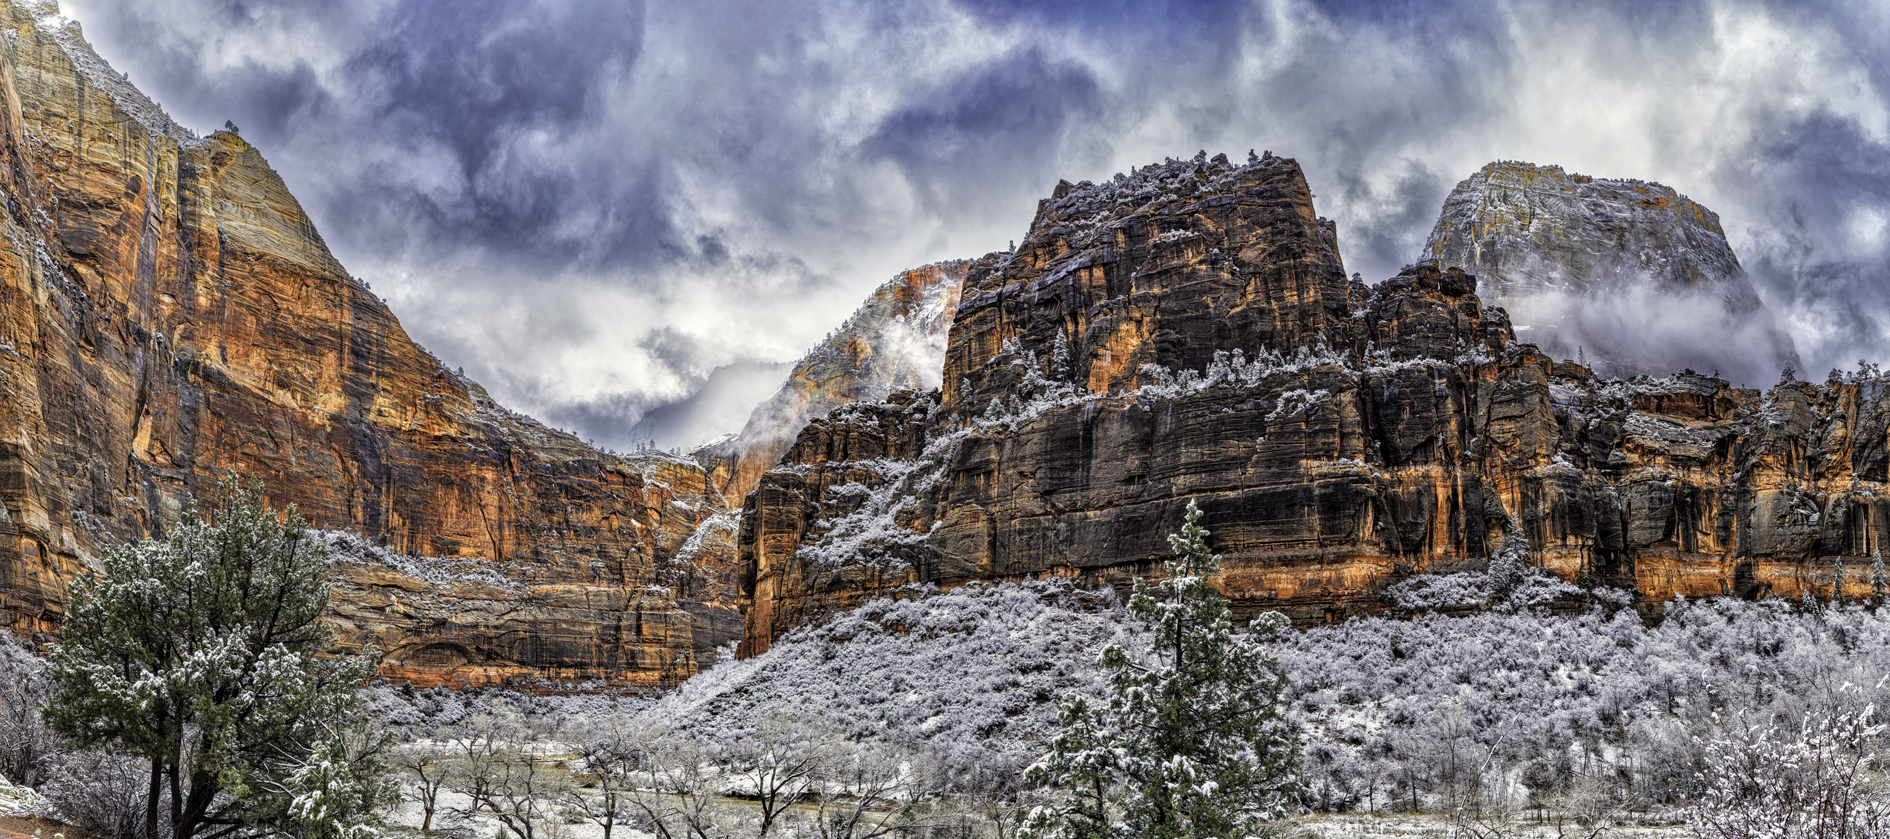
[(190, 818), (151, 798), (178, 830)]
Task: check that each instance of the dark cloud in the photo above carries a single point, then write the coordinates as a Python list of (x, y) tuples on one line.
[(593, 204), (1821, 252), (990, 129)]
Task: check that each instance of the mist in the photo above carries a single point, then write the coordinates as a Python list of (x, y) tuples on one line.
[(1640, 328)]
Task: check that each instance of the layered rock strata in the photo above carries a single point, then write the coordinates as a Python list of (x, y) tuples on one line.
[(1187, 333), (168, 312)]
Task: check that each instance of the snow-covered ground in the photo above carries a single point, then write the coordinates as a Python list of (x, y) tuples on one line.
[(1352, 826)]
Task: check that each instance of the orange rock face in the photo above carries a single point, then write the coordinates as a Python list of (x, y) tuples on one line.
[(1187, 334), (168, 312)]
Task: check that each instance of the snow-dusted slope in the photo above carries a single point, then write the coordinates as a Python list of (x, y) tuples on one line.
[(895, 341)]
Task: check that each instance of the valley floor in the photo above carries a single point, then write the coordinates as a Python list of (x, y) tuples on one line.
[(1404, 826)]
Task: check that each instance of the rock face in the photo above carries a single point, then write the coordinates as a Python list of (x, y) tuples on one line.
[(168, 312), (895, 341), (1187, 333), (1631, 274)]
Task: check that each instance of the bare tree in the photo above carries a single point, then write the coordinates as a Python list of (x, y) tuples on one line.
[(782, 758), (987, 792), (607, 754), (424, 766), (504, 779), (674, 789), (875, 789)]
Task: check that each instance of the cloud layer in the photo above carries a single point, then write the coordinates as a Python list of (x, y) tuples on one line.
[(592, 204)]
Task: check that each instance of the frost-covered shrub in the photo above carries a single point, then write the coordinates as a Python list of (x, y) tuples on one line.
[(973, 673), (1546, 700), (26, 744), (1764, 780), (446, 575), (102, 793), (1507, 585), (432, 713)]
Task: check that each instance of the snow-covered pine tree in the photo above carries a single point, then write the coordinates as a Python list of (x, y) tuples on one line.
[(1879, 579), (1193, 741), (1506, 572), (205, 656)]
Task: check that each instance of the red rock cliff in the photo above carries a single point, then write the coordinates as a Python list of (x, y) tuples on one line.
[(169, 313), (1187, 333)]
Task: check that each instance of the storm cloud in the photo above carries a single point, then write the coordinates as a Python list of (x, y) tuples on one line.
[(593, 204)]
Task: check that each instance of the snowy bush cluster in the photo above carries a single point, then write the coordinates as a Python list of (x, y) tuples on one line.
[(1517, 704), (974, 672), (915, 712), (874, 533), (1508, 588), (1089, 206), (1525, 706), (435, 712), (1234, 370)]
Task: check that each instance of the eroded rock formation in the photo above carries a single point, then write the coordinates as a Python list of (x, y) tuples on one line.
[(1187, 333), (1629, 274), (895, 341), (168, 312)]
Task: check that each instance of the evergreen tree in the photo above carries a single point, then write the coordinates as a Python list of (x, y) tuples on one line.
[(1193, 741), (202, 654), (1879, 580), (1506, 570)]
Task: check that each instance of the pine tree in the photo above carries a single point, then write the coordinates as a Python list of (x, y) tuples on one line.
[(1506, 572), (205, 655), (1879, 580), (1193, 741)]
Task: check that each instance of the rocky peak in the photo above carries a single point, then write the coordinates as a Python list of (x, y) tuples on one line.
[(1111, 274), (1186, 334), (168, 313), (894, 341), (1629, 273)]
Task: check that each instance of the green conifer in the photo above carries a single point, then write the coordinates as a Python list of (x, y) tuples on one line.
[(1193, 741)]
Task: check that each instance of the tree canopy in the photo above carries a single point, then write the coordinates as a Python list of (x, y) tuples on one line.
[(203, 653)]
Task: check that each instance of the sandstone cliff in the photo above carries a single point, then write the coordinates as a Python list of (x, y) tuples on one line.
[(1187, 332), (895, 341), (1632, 275), (168, 312)]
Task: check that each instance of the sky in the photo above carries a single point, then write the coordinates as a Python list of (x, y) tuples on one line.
[(592, 205)]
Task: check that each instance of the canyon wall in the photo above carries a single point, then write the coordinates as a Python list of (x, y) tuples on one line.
[(1187, 333), (168, 312)]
